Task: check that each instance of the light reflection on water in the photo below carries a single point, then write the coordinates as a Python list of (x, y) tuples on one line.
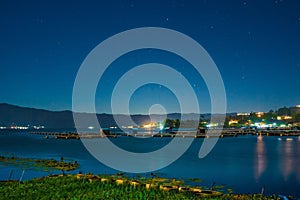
[(288, 151), (261, 161), (287, 159)]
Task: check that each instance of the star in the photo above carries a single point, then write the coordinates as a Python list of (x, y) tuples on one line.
[(39, 20), (131, 4), (59, 43)]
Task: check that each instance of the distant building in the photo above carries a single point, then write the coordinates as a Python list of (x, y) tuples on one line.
[(295, 109), (259, 114), (284, 117), (150, 125), (233, 122)]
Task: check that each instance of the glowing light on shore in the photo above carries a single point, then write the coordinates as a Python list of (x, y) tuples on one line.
[(231, 122), (259, 114), (19, 127), (212, 125), (161, 126), (284, 117), (243, 114), (150, 125)]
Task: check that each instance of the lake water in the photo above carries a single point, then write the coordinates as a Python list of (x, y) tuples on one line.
[(244, 163)]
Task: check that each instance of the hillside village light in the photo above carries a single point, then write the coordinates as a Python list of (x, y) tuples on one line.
[(161, 126)]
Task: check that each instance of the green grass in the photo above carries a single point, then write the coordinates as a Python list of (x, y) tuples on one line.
[(91, 187), (102, 187), (44, 164)]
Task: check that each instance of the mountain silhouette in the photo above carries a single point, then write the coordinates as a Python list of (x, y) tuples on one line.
[(23, 116)]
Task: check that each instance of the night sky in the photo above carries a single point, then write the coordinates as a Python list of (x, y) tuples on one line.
[(255, 44)]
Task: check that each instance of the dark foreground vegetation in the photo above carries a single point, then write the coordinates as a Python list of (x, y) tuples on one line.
[(113, 187)]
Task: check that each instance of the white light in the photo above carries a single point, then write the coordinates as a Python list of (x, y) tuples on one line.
[(161, 126)]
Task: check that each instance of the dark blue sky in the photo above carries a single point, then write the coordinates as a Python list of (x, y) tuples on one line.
[(255, 44)]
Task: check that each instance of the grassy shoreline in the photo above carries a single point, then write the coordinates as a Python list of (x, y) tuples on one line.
[(88, 186), (110, 187)]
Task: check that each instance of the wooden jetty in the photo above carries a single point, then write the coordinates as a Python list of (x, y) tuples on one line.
[(183, 134), (278, 132), (72, 135)]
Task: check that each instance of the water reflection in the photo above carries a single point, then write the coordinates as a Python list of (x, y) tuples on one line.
[(260, 159), (298, 161), (288, 150), (287, 162)]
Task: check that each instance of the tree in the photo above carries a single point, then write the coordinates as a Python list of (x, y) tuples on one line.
[(171, 123), (176, 123), (270, 116), (297, 117), (284, 111)]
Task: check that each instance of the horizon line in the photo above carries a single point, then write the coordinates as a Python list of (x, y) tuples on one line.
[(68, 110)]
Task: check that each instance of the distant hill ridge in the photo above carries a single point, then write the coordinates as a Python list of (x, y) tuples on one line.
[(23, 116)]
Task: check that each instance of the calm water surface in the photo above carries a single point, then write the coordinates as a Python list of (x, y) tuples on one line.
[(245, 163)]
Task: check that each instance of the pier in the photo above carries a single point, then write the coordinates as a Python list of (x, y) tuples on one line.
[(279, 133), (201, 133)]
